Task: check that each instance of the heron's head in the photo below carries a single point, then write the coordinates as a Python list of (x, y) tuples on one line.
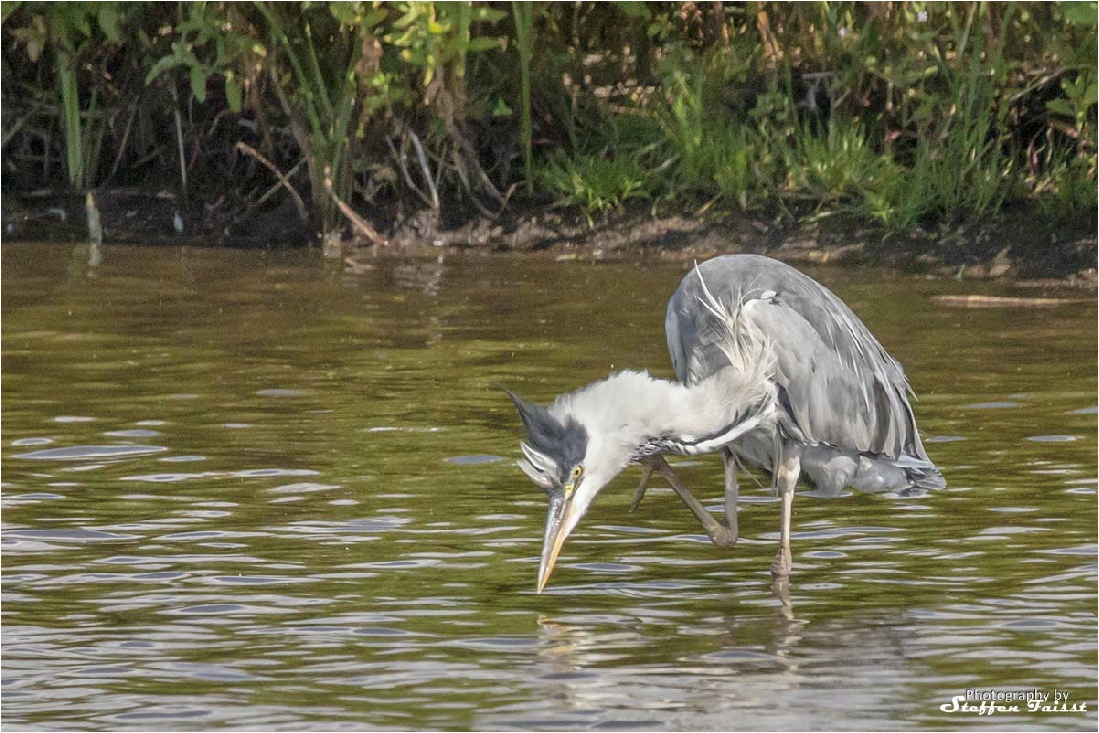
[(571, 458)]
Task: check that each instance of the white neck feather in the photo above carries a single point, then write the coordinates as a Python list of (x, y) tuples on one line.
[(631, 409)]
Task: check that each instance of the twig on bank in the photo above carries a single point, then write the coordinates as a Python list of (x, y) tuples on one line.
[(357, 221), (179, 140), (422, 158), (283, 180), (125, 140), (274, 189), (401, 157)]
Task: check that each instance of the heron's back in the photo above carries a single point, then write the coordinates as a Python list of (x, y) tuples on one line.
[(839, 392)]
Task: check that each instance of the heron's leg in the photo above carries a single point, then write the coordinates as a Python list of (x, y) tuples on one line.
[(717, 532), (646, 473), (732, 491), (787, 477)]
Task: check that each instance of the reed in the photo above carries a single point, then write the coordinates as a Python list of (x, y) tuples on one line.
[(70, 116), (523, 12)]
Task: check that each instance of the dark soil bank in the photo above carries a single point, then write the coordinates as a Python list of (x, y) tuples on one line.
[(1019, 244)]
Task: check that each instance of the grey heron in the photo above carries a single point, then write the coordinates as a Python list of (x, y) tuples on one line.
[(773, 370)]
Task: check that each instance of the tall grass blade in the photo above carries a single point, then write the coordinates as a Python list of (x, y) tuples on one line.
[(70, 111), (524, 36)]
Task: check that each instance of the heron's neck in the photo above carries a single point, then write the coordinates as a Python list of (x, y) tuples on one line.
[(641, 415)]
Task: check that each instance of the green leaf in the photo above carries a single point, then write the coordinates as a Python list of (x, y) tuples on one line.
[(633, 9), (374, 17), (408, 18), (6, 9), (108, 21), (488, 15), (501, 109), (1059, 107), (483, 43), (346, 13), (198, 83), (233, 93), (80, 22), (162, 65), (1080, 13)]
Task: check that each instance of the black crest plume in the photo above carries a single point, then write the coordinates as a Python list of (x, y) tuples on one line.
[(564, 442)]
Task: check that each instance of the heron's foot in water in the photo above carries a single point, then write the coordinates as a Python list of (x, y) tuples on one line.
[(722, 537), (780, 568), (727, 536), (720, 534)]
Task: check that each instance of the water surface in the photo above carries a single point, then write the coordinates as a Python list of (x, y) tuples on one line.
[(249, 490)]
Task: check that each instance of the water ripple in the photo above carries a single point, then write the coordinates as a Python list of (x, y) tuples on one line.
[(84, 452), (67, 535)]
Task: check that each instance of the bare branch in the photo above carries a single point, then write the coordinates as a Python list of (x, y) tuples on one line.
[(283, 181), (357, 221), (422, 158)]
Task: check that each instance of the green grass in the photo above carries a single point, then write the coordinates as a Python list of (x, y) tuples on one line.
[(707, 153), (596, 183), (1067, 187), (839, 167)]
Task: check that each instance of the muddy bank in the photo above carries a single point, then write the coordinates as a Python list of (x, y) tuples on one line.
[(1023, 243)]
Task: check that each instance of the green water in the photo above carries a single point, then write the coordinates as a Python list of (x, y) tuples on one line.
[(252, 491)]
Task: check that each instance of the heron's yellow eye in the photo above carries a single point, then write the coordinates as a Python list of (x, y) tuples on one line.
[(574, 479)]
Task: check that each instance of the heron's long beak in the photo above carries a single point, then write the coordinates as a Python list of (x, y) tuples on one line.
[(560, 510)]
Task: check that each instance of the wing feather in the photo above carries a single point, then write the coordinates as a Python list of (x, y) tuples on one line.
[(841, 387)]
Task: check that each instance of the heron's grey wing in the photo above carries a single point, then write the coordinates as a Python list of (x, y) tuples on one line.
[(693, 340), (840, 385), (837, 383), (675, 321)]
